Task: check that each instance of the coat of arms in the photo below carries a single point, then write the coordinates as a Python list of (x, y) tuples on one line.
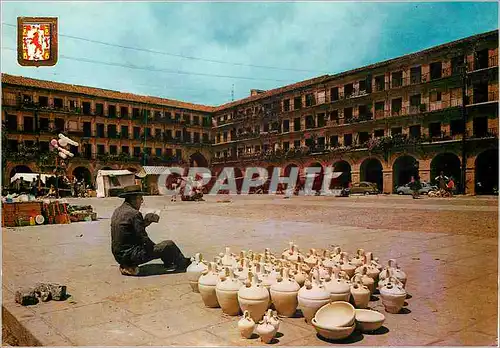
[(37, 41)]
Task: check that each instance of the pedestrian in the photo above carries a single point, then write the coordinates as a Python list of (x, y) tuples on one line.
[(442, 179), (450, 186), (130, 243), (415, 187)]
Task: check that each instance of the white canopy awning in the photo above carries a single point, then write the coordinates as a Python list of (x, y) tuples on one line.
[(30, 176)]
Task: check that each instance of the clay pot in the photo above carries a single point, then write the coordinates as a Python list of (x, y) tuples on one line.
[(287, 251), (194, 271), (293, 257), (311, 258), (284, 294), (227, 293), (207, 284), (337, 254), (273, 319), (360, 294), (312, 296), (371, 270), (246, 325), (253, 297), (393, 296), (227, 259), (346, 266), (369, 320), (339, 288), (359, 259), (242, 270), (395, 272), (266, 331), (300, 276), (366, 280)]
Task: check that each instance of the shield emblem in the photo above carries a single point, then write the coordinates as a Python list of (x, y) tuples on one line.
[(37, 41)]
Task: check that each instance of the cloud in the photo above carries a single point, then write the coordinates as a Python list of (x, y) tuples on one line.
[(320, 36)]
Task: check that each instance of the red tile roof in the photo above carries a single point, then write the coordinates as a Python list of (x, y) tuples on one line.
[(99, 92)]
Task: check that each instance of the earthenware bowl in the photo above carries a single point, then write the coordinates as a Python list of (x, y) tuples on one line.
[(369, 320), (336, 314), (333, 333)]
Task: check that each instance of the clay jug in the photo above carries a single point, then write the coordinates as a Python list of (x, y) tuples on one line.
[(337, 254), (253, 297), (390, 278), (339, 288), (293, 257), (365, 279), (311, 258), (288, 251), (346, 266), (395, 271), (227, 293), (360, 294), (284, 294), (266, 331), (246, 325), (300, 276), (359, 258), (207, 284), (194, 271), (393, 296), (227, 259), (312, 296), (273, 319), (371, 270)]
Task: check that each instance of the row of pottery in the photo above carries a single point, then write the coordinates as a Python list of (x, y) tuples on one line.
[(254, 282), (266, 329)]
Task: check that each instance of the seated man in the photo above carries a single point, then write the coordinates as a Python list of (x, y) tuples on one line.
[(130, 243)]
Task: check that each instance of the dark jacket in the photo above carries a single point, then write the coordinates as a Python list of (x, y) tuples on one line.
[(128, 234)]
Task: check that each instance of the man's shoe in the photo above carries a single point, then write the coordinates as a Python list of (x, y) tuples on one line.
[(170, 268), (129, 271)]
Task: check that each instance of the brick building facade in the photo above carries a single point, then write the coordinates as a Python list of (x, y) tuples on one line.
[(381, 123)]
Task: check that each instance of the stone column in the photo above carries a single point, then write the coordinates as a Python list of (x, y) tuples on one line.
[(388, 182), (425, 175), (470, 177), (355, 176)]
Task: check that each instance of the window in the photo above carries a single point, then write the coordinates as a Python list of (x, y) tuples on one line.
[(44, 124), (60, 124), (334, 94), (321, 141), (266, 127), (206, 140), (480, 126), (348, 114), (99, 109), (416, 75), (224, 136), (112, 131), (86, 108), (111, 111), (379, 109), (362, 85), (87, 129), (415, 131), (397, 79), (113, 150), (321, 120), (125, 150), (348, 90), (380, 83), (435, 96), (481, 59), (296, 144), (196, 137), (177, 117), (178, 153), (334, 116), (72, 105), (12, 145), (157, 133), (58, 103), (436, 70), (100, 149), (347, 139), (363, 113), (29, 143), (480, 93), (334, 140), (137, 132), (396, 106), (286, 126), (456, 64), (456, 127), (415, 103), (43, 101), (44, 146), (296, 124), (297, 103), (147, 151), (186, 118), (363, 137), (124, 111), (100, 130), (379, 133), (158, 152), (286, 146), (309, 142), (396, 131), (310, 122), (169, 152), (136, 113), (286, 105), (310, 100), (124, 132), (196, 120), (435, 129), (12, 122), (321, 97), (137, 151)]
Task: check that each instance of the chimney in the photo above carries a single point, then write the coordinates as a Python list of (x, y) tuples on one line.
[(256, 91)]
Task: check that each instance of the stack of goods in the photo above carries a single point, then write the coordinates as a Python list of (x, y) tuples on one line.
[(331, 288), (81, 213), (20, 213), (56, 212)]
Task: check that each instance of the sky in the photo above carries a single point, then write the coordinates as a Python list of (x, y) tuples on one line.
[(190, 40)]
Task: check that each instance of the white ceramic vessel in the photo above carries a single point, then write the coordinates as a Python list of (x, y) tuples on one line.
[(246, 325), (284, 294), (194, 271), (312, 296), (253, 297), (227, 293), (207, 284)]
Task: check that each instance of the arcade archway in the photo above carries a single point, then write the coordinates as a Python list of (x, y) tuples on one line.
[(318, 177), (449, 164), (20, 169), (345, 178), (371, 171), (486, 172), (198, 160), (403, 169), (82, 173)]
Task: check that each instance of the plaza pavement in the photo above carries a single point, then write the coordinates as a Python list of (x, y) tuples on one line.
[(452, 270)]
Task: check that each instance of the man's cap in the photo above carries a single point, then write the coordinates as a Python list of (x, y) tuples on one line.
[(131, 190)]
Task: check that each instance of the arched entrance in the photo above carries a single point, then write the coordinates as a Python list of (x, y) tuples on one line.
[(82, 173), (449, 164), (318, 178), (198, 160), (20, 169), (403, 169), (345, 178), (371, 171), (486, 172)]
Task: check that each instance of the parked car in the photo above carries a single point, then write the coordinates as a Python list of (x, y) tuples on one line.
[(364, 187), (406, 190)]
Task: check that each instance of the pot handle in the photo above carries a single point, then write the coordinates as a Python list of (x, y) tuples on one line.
[(392, 263)]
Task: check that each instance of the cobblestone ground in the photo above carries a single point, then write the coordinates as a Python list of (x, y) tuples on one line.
[(448, 248)]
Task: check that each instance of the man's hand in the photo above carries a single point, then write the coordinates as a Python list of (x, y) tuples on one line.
[(150, 218)]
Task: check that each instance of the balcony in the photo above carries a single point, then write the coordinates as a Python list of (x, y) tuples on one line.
[(491, 133), (481, 98), (480, 64)]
